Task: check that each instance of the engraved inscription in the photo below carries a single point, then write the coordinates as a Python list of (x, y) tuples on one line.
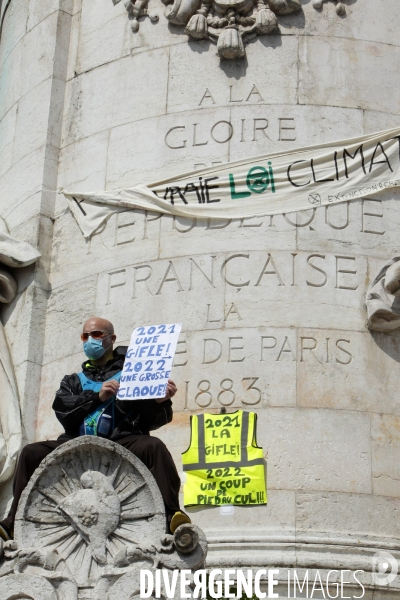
[(202, 133), (267, 270), (287, 130), (249, 368), (228, 392), (132, 227), (275, 348), (230, 312), (371, 220), (232, 96)]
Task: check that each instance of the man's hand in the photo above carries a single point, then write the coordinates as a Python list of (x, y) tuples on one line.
[(171, 391), (108, 389)]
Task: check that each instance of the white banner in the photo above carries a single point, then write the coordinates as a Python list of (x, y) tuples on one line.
[(148, 362), (264, 185)]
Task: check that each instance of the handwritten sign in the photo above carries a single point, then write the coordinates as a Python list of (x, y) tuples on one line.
[(148, 362)]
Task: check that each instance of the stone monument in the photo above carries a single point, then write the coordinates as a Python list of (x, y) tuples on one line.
[(91, 517), (293, 316)]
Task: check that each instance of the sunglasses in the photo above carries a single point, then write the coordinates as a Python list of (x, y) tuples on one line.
[(97, 334)]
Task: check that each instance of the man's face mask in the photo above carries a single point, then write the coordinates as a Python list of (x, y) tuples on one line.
[(93, 348)]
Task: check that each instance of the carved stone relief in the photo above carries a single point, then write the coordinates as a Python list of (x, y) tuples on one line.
[(228, 23), (138, 9), (90, 518), (382, 298), (13, 253), (340, 7)]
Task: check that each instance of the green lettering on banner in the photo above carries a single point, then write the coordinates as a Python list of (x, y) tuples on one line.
[(258, 179), (236, 195)]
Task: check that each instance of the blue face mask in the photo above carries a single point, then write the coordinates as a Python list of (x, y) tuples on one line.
[(94, 348)]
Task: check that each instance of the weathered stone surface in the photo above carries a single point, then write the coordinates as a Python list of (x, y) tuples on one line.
[(80, 309), (385, 450), (22, 76), (7, 126), (106, 34), (353, 85), (345, 514), (87, 110), (339, 361), (14, 27), (19, 586), (83, 163), (271, 67), (319, 457), (372, 23)]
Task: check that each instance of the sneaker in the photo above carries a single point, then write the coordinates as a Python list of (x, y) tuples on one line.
[(178, 518), (5, 533)]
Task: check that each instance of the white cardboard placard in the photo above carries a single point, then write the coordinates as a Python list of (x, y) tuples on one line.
[(148, 362)]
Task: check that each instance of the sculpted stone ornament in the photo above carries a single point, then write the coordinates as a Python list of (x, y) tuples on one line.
[(228, 23), (382, 299), (13, 254), (138, 9), (90, 518), (340, 7)]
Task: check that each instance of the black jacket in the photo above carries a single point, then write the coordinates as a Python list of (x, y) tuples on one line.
[(72, 404)]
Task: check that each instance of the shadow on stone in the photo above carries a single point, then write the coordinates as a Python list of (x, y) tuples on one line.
[(389, 343)]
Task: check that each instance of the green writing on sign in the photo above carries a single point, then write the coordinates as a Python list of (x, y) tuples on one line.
[(258, 179)]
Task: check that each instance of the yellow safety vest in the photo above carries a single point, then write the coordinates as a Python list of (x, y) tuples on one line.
[(223, 463)]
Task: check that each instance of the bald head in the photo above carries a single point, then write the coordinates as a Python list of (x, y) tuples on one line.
[(107, 337), (98, 323)]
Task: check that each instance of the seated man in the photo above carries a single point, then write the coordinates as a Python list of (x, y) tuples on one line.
[(75, 404)]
